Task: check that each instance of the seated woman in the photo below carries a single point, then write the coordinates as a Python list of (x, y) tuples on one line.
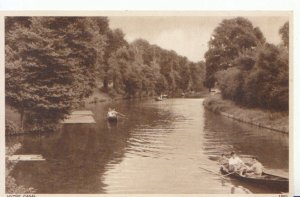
[(236, 164), (223, 161), (256, 169)]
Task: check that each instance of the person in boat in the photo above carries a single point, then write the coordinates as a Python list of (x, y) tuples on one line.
[(256, 168), (223, 161), (159, 98), (235, 164), (113, 113)]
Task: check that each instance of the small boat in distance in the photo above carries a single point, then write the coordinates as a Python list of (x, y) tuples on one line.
[(265, 180), (159, 98)]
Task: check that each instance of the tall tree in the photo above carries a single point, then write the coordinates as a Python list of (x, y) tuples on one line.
[(197, 71), (267, 84), (231, 38), (115, 41), (284, 32), (56, 59)]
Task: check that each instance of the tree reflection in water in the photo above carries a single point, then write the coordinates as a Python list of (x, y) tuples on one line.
[(157, 149)]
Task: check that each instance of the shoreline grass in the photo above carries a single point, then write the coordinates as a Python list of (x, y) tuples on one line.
[(276, 121)]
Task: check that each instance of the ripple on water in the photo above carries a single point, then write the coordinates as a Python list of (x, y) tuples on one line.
[(159, 148)]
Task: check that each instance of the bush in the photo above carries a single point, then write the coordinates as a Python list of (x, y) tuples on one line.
[(11, 128), (258, 79), (11, 186), (267, 84), (231, 82)]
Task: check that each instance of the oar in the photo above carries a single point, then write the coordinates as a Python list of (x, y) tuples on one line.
[(231, 173), (212, 172), (121, 114), (223, 176), (209, 170), (123, 117)]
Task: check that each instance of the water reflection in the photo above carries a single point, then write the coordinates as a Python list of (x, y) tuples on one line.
[(270, 147), (160, 147)]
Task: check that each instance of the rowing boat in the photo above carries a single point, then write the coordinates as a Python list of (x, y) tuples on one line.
[(158, 99), (112, 117), (265, 180)]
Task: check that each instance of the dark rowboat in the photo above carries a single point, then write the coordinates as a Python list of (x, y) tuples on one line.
[(158, 99), (265, 180), (112, 118)]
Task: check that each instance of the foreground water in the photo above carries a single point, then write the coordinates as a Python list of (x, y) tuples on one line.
[(159, 147)]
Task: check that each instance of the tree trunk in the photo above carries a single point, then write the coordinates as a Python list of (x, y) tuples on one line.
[(22, 119), (105, 85), (115, 86)]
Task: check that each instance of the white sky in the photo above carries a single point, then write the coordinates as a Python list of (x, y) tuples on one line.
[(187, 35)]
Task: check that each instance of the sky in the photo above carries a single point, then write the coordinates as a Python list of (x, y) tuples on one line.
[(187, 35)]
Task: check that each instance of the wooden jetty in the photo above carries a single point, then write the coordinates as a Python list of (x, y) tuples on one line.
[(26, 158), (83, 117)]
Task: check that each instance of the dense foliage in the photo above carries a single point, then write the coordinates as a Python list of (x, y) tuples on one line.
[(141, 69), (284, 32), (50, 66), (231, 38), (257, 76), (54, 63), (11, 187)]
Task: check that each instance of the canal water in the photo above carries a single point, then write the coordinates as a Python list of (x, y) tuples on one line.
[(158, 147)]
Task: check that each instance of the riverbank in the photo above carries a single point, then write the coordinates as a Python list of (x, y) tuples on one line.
[(192, 94), (13, 118), (276, 121)]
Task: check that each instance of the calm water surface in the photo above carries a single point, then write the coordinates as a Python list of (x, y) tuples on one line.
[(160, 147)]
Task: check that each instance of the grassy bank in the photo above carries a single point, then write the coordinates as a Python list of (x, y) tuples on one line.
[(98, 97), (277, 121), (13, 117), (201, 94)]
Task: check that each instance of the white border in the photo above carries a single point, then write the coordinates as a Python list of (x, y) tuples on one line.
[(174, 5)]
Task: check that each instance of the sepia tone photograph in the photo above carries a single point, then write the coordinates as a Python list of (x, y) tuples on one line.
[(148, 104)]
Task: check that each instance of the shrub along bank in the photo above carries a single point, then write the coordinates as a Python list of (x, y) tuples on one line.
[(276, 121)]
